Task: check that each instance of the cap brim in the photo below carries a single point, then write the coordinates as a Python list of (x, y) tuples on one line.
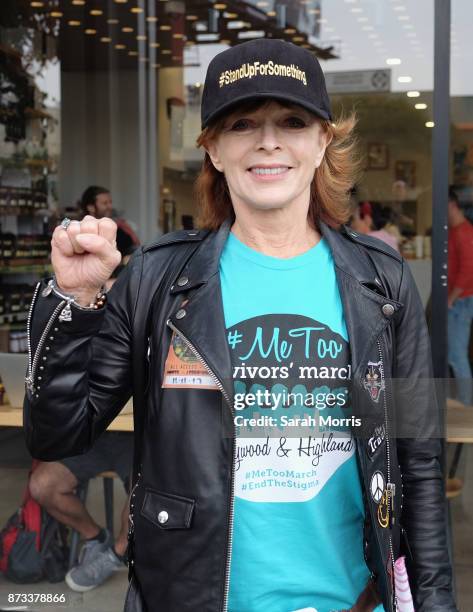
[(265, 95)]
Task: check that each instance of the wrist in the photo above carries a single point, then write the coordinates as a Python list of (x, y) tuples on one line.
[(81, 297)]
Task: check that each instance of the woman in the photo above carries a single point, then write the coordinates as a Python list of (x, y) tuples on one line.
[(206, 328)]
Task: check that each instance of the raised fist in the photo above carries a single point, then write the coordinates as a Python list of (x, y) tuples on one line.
[(84, 255)]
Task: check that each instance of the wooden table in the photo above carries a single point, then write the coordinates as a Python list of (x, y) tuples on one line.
[(459, 422), (11, 416)]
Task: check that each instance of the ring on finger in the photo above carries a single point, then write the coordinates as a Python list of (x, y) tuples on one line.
[(65, 223)]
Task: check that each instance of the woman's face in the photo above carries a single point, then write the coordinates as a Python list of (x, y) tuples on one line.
[(269, 156)]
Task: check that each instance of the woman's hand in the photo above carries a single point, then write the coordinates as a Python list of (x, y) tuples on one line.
[(84, 256)]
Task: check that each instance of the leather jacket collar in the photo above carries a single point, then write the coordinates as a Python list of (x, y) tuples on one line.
[(368, 308)]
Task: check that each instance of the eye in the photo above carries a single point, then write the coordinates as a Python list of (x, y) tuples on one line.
[(240, 124), (295, 122)]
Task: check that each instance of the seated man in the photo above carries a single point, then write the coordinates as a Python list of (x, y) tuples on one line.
[(53, 485)]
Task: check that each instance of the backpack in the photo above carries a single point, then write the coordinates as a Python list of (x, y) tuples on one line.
[(33, 545)]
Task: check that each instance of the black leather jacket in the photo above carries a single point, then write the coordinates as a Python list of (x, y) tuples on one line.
[(85, 365)]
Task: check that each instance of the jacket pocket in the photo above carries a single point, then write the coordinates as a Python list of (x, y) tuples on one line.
[(166, 510)]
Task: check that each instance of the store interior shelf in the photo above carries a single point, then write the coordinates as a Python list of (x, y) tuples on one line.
[(15, 317), (27, 269)]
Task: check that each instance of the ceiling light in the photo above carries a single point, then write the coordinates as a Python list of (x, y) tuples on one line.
[(166, 52), (219, 6), (322, 20), (404, 79), (96, 12), (132, 53), (314, 11), (178, 36), (290, 31), (56, 14), (127, 29), (112, 21), (105, 39), (120, 46), (372, 36), (329, 29), (429, 124), (191, 17), (225, 41), (408, 26), (136, 9), (144, 59), (155, 45), (413, 94), (73, 23), (269, 14), (298, 39), (393, 61), (141, 37), (37, 4), (90, 31), (367, 28), (78, 2), (156, 65), (356, 10), (362, 19), (165, 28), (420, 106), (121, 1), (403, 17), (151, 19), (399, 8)]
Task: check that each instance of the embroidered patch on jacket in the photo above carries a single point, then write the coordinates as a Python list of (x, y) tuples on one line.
[(375, 440), (183, 370), (373, 381), (377, 486)]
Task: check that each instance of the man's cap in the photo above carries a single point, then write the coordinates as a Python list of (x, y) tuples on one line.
[(264, 68)]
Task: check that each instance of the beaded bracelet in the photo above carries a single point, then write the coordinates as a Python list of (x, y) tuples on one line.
[(99, 302)]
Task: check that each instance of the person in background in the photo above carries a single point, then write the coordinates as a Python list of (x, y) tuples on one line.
[(53, 485), (375, 220), (358, 221), (460, 296), (97, 201), (382, 225)]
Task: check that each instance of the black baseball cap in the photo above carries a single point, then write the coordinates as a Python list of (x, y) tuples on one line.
[(264, 68)]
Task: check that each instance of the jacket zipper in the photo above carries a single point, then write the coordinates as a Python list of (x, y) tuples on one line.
[(231, 513), (33, 360), (390, 486)]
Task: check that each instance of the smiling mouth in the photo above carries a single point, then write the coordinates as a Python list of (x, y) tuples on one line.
[(261, 171)]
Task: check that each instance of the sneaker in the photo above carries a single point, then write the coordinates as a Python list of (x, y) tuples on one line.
[(91, 573)]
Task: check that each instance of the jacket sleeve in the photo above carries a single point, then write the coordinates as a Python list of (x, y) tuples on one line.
[(81, 369), (419, 451)]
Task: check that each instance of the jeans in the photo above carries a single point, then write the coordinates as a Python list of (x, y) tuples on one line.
[(460, 316)]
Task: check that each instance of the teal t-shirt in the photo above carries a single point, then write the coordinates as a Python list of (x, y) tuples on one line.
[(298, 514)]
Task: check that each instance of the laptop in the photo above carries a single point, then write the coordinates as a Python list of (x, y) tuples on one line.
[(12, 372)]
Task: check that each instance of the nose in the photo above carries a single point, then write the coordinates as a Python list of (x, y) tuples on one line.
[(268, 137)]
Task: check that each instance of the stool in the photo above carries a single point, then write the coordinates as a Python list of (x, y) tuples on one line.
[(454, 487), (81, 492)]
